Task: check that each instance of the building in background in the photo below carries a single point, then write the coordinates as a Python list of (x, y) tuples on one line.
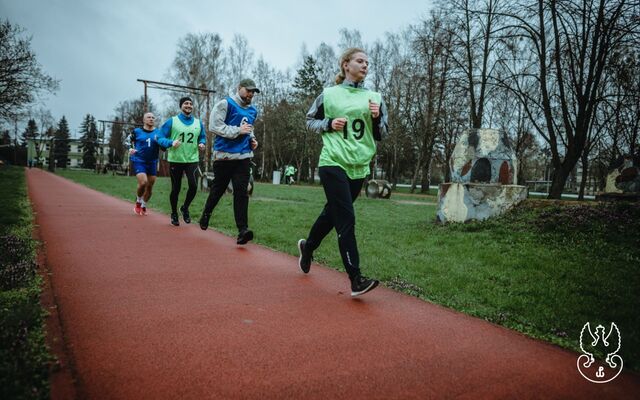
[(38, 152)]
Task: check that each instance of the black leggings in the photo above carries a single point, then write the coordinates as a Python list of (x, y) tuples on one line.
[(176, 170), (238, 172), (341, 192)]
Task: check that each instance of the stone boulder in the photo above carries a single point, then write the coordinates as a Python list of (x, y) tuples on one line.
[(483, 171), (483, 155)]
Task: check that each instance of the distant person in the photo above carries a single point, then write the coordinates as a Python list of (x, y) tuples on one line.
[(232, 122), (183, 136), (289, 172), (350, 119), (144, 160)]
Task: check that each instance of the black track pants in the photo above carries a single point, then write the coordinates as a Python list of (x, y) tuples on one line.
[(338, 213), (176, 170), (237, 172)]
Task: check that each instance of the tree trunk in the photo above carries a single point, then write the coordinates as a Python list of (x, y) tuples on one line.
[(585, 174), (416, 172), (426, 177), (520, 177), (559, 179)]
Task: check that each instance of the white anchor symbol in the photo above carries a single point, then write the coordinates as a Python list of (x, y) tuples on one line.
[(600, 374)]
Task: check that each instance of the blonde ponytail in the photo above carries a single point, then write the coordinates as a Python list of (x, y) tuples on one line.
[(346, 57)]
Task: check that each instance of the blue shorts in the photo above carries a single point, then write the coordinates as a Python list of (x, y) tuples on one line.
[(149, 168)]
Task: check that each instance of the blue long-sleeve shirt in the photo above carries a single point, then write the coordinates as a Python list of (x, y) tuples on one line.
[(164, 138)]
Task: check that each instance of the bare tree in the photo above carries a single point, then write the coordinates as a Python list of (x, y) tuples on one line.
[(433, 46), (21, 76), (475, 26), (274, 88), (198, 63), (349, 38), (397, 153), (327, 62), (238, 61), (454, 121), (573, 42)]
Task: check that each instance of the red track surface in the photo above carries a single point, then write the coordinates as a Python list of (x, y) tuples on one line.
[(151, 311)]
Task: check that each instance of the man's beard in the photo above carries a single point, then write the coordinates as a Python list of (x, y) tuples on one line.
[(245, 100)]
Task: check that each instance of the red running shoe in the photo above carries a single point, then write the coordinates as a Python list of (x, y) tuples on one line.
[(144, 210), (138, 208)]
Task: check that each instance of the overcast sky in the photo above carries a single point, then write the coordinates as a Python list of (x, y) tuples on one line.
[(98, 49)]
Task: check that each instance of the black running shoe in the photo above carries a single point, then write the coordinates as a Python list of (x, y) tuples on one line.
[(304, 262), (174, 219), (185, 215), (244, 236), (204, 221), (361, 285)]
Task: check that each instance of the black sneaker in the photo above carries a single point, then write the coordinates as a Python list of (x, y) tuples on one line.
[(244, 236), (204, 221), (174, 219), (304, 262), (185, 215), (361, 285)]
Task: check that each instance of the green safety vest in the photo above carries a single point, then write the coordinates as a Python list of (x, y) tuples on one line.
[(188, 136), (353, 148)]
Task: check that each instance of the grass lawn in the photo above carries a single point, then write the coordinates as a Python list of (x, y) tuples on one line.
[(24, 357), (544, 269)]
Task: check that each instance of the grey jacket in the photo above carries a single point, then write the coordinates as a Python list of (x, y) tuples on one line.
[(217, 125)]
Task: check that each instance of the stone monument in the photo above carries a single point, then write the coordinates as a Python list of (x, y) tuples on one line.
[(623, 180), (483, 171)]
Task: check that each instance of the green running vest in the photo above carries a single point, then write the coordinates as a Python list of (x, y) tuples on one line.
[(187, 135), (353, 148)]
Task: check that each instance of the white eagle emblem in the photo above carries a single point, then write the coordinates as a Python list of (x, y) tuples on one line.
[(610, 343)]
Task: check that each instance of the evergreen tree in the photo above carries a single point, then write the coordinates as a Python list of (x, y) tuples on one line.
[(307, 81), (6, 137), (116, 143), (89, 138), (307, 149), (30, 133), (61, 143)]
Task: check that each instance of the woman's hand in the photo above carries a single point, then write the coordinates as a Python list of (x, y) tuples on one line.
[(374, 108), (337, 124)]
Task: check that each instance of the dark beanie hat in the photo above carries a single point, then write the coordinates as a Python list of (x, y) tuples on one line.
[(183, 99)]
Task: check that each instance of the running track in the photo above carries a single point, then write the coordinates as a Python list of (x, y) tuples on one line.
[(151, 311)]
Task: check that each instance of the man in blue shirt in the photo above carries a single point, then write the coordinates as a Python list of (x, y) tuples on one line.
[(232, 121), (144, 159), (183, 136)]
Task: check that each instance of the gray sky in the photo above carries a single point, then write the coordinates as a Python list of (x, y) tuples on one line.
[(99, 48)]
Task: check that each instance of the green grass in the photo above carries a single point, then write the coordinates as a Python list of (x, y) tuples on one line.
[(544, 269), (24, 356)]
